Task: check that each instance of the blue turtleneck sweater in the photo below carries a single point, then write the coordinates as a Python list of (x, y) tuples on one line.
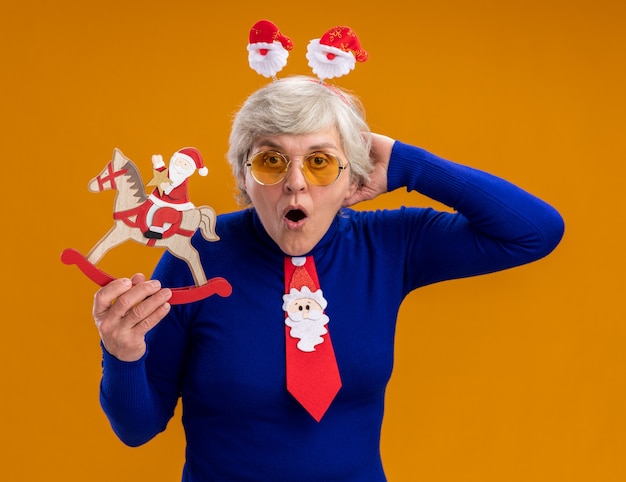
[(225, 357)]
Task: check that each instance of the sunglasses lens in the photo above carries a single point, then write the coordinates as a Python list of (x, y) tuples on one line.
[(321, 169), (268, 167)]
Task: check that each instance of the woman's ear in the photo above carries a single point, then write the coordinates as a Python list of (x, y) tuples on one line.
[(352, 189), (241, 181)]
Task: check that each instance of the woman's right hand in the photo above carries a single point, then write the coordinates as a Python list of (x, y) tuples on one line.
[(380, 154), (125, 310)]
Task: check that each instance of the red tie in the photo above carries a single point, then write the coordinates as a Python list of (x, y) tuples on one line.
[(312, 373)]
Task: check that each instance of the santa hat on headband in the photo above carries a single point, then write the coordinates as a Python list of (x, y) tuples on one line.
[(267, 48), (192, 155), (335, 53)]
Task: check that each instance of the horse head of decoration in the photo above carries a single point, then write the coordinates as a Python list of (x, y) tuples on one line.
[(164, 218)]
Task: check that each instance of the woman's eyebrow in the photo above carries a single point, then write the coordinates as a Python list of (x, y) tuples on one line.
[(316, 147), (324, 145), (270, 144)]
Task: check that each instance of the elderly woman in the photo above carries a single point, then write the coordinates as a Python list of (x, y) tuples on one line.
[(305, 269)]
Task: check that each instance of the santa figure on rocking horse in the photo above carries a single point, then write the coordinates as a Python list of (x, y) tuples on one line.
[(171, 197)]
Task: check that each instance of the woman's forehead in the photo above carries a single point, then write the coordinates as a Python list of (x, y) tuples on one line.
[(324, 139)]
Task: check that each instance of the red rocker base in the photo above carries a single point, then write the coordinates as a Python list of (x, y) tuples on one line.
[(215, 286)]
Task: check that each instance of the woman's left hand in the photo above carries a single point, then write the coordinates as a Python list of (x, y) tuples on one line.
[(377, 182)]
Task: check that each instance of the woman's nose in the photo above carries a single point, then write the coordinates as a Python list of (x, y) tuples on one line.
[(294, 179)]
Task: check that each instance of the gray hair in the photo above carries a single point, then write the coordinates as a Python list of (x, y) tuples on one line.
[(300, 105)]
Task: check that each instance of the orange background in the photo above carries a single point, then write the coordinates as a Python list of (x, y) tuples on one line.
[(516, 376)]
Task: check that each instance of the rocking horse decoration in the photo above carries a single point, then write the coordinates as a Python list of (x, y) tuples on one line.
[(165, 218)]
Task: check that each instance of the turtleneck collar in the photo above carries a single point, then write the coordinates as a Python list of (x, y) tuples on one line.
[(271, 244)]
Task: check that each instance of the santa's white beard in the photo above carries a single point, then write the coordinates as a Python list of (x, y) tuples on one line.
[(308, 330), (269, 64), (178, 174), (340, 63)]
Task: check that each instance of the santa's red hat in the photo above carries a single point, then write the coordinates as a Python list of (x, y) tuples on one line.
[(265, 31), (302, 285), (344, 38), (301, 276), (193, 156)]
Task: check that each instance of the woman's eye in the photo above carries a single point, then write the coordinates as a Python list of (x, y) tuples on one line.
[(274, 161), (318, 162)]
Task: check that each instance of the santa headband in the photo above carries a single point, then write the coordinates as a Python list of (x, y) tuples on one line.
[(332, 55)]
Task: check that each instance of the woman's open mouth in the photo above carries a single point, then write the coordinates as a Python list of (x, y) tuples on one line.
[(295, 218), (295, 215)]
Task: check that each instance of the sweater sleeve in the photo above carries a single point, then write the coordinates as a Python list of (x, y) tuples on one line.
[(127, 399), (496, 225), (139, 398)]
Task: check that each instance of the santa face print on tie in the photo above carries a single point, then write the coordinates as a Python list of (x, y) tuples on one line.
[(305, 316)]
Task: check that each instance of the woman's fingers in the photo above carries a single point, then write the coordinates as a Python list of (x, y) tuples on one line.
[(125, 310)]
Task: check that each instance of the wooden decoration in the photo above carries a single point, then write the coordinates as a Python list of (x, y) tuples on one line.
[(131, 213)]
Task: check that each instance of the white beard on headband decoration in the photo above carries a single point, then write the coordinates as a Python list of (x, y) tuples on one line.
[(305, 317), (329, 62), (267, 59)]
